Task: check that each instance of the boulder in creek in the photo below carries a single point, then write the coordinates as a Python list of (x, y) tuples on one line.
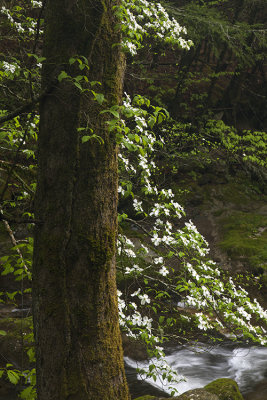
[(194, 394), (225, 389), (220, 389)]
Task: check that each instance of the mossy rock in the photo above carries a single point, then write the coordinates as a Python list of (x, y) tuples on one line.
[(146, 397), (196, 394), (225, 389)]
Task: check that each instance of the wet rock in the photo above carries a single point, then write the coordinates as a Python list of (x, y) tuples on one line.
[(196, 394), (259, 392), (220, 389)]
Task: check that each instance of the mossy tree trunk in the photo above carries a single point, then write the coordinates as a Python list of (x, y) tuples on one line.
[(78, 343)]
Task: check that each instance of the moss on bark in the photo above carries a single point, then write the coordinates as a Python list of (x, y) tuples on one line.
[(74, 288)]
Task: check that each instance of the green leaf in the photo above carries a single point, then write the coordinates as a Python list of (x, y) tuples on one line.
[(41, 59), (93, 83), (151, 121), (78, 85), (12, 376), (11, 295), (99, 97), (119, 138), (79, 78), (130, 146), (3, 333), (142, 151), (151, 367), (86, 138), (115, 113), (31, 354), (160, 118), (28, 393), (113, 123), (122, 217), (8, 269), (98, 138), (62, 75)]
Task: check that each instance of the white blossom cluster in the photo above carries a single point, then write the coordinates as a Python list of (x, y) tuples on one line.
[(192, 240), (9, 68), (140, 19), (36, 4), (204, 287), (204, 322), (135, 324), (126, 248), (138, 206), (141, 141), (232, 302), (131, 319), (16, 25), (27, 25)]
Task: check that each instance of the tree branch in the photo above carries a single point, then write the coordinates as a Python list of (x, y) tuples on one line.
[(25, 107), (4, 218)]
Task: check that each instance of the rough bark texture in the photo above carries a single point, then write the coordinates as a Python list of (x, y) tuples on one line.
[(78, 343)]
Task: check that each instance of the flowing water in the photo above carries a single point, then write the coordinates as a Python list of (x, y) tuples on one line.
[(202, 364)]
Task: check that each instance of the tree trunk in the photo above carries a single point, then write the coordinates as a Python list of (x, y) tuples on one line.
[(78, 342)]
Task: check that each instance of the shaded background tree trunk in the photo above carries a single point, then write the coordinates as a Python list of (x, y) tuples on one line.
[(78, 343)]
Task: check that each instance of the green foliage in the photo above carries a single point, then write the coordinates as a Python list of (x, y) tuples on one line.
[(17, 265), (248, 145), (184, 141), (221, 24)]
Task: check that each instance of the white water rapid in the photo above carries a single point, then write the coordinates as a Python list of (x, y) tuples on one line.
[(202, 364)]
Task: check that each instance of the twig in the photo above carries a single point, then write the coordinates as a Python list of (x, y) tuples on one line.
[(14, 242)]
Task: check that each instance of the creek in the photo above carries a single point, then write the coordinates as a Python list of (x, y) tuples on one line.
[(202, 364)]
